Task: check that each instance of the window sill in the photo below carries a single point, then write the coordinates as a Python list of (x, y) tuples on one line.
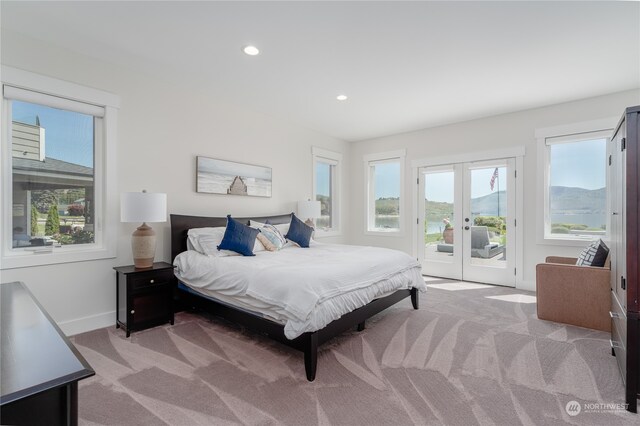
[(569, 242), (25, 259), (398, 233)]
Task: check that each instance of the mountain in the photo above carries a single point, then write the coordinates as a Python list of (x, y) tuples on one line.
[(578, 200), (487, 205), (564, 200)]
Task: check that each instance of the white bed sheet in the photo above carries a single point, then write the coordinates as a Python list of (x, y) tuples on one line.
[(304, 288)]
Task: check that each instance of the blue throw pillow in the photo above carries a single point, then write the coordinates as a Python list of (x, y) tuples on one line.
[(299, 232), (238, 237)]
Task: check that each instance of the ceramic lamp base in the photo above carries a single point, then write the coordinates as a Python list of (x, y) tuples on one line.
[(143, 246)]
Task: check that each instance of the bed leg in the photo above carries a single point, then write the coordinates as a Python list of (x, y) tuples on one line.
[(311, 356), (361, 326), (414, 298)]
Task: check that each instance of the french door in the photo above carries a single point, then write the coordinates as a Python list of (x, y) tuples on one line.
[(467, 218)]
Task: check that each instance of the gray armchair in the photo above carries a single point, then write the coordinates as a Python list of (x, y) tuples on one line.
[(481, 246)]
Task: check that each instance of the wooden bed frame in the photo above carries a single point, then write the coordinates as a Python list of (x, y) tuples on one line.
[(307, 342)]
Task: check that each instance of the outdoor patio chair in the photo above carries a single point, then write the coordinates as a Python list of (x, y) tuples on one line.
[(481, 246)]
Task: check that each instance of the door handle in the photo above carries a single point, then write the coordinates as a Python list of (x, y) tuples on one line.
[(466, 228)]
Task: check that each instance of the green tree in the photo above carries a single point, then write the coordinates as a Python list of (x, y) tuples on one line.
[(43, 200), (34, 220), (52, 226)]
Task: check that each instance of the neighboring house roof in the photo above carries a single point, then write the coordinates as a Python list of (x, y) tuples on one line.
[(51, 165)]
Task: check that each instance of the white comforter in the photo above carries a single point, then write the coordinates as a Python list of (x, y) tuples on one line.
[(307, 287)]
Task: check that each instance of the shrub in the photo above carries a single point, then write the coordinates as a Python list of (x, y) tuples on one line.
[(80, 236), (559, 230), (52, 226), (387, 206), (578, 227), (75, 210), (34, 220), (76, 236), (493, 223), (572, 226)]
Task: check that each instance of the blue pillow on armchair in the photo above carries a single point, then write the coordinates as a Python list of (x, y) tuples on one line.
[(299, 232), (238, 237)]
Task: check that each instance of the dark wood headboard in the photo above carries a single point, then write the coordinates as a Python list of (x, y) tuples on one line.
[(180, 225)]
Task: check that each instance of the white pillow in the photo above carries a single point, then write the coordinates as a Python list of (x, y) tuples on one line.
[(207, 240)]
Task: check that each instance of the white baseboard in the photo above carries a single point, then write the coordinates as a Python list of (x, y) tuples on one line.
[(526, 285), (92, 322)]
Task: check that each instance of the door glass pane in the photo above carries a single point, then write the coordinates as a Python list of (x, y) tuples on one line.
[(53, 176), (488, 230), (439, 220)]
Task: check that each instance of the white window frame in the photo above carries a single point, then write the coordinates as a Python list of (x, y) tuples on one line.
[(575, 132), (105, 177), (335, 160), (369, 207)]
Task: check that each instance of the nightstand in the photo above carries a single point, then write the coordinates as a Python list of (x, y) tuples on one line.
[(144, 297)]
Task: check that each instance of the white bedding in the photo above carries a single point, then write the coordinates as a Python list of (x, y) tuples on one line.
[(306, 288)]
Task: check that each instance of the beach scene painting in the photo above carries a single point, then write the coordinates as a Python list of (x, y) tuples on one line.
[(228, 177)]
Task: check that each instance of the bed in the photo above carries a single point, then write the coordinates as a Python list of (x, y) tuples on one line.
[(252, 311)]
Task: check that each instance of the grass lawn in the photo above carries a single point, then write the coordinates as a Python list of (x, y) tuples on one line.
[(432, 238)]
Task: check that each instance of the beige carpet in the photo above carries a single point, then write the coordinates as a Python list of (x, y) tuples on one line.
[(472, 355)]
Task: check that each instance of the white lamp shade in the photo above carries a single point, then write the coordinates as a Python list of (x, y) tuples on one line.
[(143, 207), (309, 209)]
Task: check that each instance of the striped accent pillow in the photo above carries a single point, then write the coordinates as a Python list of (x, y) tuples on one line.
[(271, 234)]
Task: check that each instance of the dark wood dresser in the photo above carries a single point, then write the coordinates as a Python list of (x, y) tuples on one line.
[(39, 366), (624, 209)]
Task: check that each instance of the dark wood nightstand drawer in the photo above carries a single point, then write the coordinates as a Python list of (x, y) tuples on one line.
[(153, 279)]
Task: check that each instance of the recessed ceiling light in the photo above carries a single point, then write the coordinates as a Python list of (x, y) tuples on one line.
[(251, 50), (341, 97)]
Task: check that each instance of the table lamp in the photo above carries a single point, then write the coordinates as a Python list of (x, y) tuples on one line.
[(310, 210), (143, 207)]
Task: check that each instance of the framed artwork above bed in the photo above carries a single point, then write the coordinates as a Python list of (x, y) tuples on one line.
[(214, 176)]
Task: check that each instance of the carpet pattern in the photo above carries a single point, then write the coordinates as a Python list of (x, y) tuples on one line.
[(472, 355)]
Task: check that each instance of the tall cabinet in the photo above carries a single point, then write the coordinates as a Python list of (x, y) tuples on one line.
[(624, 210)]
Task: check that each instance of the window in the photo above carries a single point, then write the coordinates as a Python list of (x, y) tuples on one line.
[(574, 187), (326, 175), (55, 188), (385, 192)]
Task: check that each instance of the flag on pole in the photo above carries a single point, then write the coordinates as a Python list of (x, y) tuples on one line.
[(493, 178)]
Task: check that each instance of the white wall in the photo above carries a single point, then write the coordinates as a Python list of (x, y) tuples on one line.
[(163, 125), (503, 131), (165, 122)]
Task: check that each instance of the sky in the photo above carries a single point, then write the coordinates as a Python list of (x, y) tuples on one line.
[(387, 180), (439, 186), (68, 135), (579, 164), (323, 184)]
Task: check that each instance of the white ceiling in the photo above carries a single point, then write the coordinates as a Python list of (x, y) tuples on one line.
[(404, 65)]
